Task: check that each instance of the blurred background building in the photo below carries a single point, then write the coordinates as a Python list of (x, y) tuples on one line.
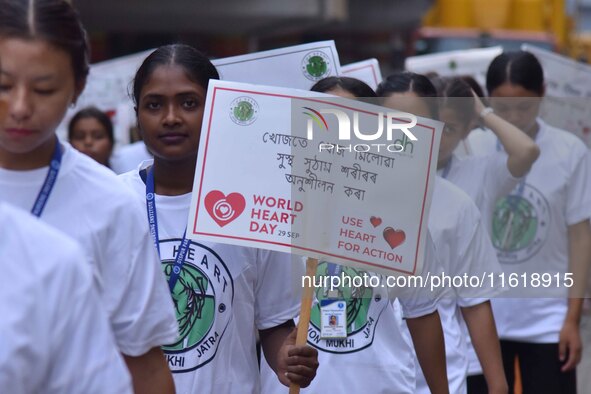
[(388, 30)]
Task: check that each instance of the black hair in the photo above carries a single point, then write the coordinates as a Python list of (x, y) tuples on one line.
[(54, 21), (405, 81), (94, 113), (354, 86), (197, 66), (474, 85), (456, 94), (435, 79), (518, 68)]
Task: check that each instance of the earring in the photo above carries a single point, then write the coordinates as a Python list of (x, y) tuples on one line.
[(72, 105)]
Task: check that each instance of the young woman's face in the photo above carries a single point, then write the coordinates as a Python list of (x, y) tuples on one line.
[(90, 137), (516, 105), (454, 131), (37, 84), (170, 112)]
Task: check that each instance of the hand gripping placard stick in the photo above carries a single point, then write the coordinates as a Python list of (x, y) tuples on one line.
[(306, 309)]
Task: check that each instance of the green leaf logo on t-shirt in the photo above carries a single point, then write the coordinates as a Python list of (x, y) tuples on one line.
[(520, 224), (203, 296), (364, 307)]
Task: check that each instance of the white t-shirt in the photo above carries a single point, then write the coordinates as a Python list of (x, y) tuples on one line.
[(485, 179), (223, 294), (375, 357), (128, 157), (54, 333), (463, 247), (96, 209), (530, 231)]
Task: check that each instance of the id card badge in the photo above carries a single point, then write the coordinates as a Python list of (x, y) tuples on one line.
[(333, 318)]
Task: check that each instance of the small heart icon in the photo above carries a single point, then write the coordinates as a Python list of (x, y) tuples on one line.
[(375, 221), (394, 237), (224, 209)]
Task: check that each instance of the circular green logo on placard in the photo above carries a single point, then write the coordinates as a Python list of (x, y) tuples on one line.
[(453, 65), (520, 225), (244, 110), (316, 65)]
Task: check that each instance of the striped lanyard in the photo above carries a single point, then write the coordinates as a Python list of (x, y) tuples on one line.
[(50, 179), (153, 222)]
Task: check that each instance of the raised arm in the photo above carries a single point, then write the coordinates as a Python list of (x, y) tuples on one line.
[(521, 149)]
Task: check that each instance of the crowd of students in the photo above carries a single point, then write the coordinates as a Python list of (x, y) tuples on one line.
[(102, 292)]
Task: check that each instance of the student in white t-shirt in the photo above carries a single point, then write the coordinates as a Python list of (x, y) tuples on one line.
[(43, 69), (375, 357), (416, 94), (378, 356), (484, 178), (222, 293), (542, 227), (90, 131), (55, 335)]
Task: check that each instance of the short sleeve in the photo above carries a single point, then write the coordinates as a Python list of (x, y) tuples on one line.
[(498, 179), (84, 357), (477, 260), (578, 204), (418, 298), (278, 288), (142, 313)]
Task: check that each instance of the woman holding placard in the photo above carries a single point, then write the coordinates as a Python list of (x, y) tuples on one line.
[(377, 353), (222, 293), (375, 356), (416, 94), (43, 70), (541, 230)]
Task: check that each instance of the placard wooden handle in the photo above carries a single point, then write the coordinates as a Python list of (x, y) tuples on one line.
[(306, 309)]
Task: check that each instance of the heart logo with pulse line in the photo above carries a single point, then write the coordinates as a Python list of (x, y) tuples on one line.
[(224, 209), (393, 237)]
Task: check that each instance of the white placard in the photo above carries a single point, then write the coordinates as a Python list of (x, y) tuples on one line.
[(261, 182), (107, 88), (568, 93), (367, 71), (296, 67), (472, 62)]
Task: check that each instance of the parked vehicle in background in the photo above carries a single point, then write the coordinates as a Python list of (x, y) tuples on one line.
[(433, 39), (463, 24)]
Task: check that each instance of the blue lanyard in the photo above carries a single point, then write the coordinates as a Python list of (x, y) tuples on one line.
[(446, 169), (50, 179), (333, 269), (153, 222)]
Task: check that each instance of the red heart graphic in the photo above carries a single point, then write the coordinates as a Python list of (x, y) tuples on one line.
[(224, 209), (394, 237), (375, 221)]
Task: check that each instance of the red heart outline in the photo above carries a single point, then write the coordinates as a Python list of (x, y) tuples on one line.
[(224, 209), (393, 237), (375, 221)]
